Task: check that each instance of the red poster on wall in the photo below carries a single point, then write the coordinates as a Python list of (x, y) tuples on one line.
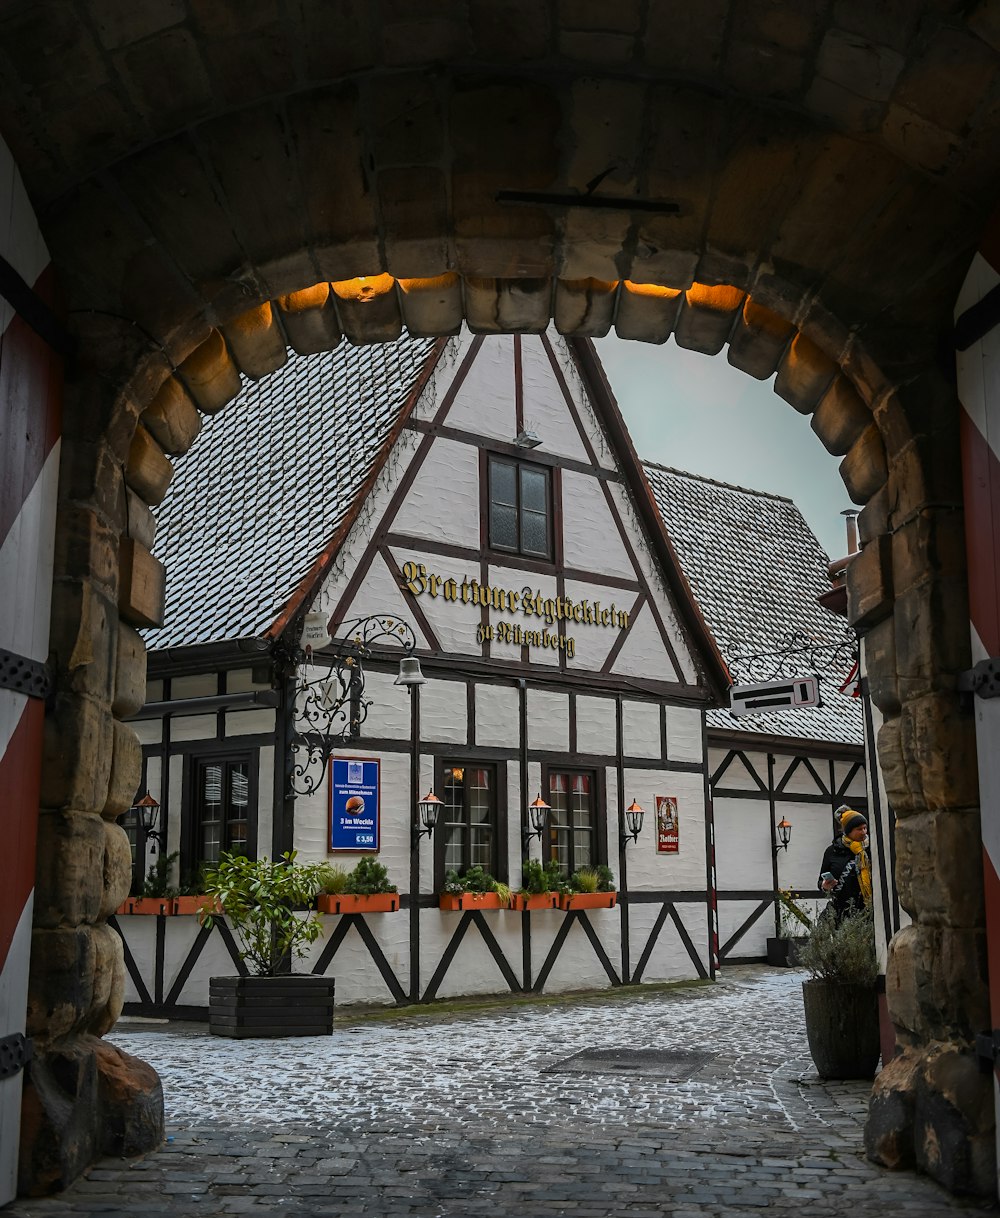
[(667, 827)]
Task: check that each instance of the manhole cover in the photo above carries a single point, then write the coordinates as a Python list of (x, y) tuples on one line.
[(648, 1063)]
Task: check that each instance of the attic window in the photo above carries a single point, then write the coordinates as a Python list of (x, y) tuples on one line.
[(520, 495)]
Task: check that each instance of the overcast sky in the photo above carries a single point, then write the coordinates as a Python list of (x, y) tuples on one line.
[(698, 413)]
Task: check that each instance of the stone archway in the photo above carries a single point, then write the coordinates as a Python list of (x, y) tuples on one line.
[(807, 188)]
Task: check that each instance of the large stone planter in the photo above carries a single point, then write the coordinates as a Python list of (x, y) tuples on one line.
[(842, 1026), (297, 1004)]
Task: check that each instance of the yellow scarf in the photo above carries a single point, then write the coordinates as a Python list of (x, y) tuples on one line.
[(864, 869)]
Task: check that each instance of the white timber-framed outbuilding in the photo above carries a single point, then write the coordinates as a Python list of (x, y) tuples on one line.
[(565, 649)]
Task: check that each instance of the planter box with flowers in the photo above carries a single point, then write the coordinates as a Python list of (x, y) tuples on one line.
[(146, 905), (474, 889), (539, 886), (366, 889), (589, 888)]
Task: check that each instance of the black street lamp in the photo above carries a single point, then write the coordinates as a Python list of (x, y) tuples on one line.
[(633, 819), (538, 816)]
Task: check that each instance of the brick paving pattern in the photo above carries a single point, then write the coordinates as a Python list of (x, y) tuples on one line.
[(449, 1112)]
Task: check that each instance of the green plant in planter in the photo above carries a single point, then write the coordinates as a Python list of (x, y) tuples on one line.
[(537, 879), (367, 878), (333, 879), (605, 878), (157, 882), (267, 904), (473, 879), (842, 952), (584, 880)]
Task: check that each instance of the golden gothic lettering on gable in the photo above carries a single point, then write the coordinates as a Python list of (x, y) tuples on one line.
[(527, 603)]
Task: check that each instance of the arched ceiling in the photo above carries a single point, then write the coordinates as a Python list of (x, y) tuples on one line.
[(190, 159)]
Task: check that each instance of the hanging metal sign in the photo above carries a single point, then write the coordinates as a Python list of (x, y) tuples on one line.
[(792, 692), (355, 787)]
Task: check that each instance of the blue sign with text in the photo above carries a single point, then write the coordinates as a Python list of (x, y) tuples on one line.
[(354, 803)]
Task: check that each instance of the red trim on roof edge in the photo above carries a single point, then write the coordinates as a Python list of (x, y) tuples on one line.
[(311, 582), (592, 370)]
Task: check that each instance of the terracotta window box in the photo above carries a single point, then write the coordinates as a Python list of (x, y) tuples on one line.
[(588, 900), (348, 903), (195, 904), (533, 900), (146, 905), (470, 900)]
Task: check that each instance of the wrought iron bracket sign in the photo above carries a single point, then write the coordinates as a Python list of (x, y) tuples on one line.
[(330, 704)]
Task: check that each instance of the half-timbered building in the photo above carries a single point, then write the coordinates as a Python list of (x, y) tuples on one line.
[(483, 493)]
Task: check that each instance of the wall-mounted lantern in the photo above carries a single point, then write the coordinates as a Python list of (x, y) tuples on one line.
[(429, 809), (783, 830), (538, 817), (147, 812), (633, 819)]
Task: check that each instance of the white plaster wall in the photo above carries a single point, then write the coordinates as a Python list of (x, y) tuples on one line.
[(516, 801), (444, 713), (497, 722), (250, 722), (427, 404), (473, 970), (799, 781), (149, 731), (485, 401), (857, 788), (595, 725), (591, 541), (686, 869), (357, 976), (684, 734), (644, 654), (548, 720), (545, 409), (240, 681), (591, 427), (265, 799), (655, 581), (174, 803), (517, 581), (669, 960), (389, 713), (193, 727), (732, 915), (742, 844), (312, 819), (154, 691), (641, 728), (443, 501), (578, 967)]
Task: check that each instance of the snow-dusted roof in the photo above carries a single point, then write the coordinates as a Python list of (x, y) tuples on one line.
[(268, 482), (756, 568)]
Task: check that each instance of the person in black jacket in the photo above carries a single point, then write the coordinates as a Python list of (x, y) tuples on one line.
[(845, 873)]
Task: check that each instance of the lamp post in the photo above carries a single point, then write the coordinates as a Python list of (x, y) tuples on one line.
[(329, 707)]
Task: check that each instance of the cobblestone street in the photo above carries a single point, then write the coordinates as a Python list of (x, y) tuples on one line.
[(453, 1112)]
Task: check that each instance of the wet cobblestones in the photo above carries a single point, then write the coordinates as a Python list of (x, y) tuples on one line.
[(449, 1113)]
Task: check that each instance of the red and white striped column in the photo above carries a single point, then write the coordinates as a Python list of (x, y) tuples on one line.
[(30, 405), (979, 393)]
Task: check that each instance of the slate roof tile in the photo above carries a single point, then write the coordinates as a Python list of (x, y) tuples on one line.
[(268, 482), (756, 568)]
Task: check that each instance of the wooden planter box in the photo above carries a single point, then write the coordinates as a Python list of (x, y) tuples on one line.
[(522, 901), (469, 900), (348, 903), (195, 904), (297, 1004), (588, 900), (147, 905)]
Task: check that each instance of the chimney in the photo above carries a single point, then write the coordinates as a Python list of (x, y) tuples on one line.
[(851, 518)]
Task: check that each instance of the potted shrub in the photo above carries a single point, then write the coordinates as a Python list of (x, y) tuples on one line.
[(590, 888), (157, 896), (268, 905), (474, 889), (366, 889), (793, 927), (539, 886), (841, 1007)]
